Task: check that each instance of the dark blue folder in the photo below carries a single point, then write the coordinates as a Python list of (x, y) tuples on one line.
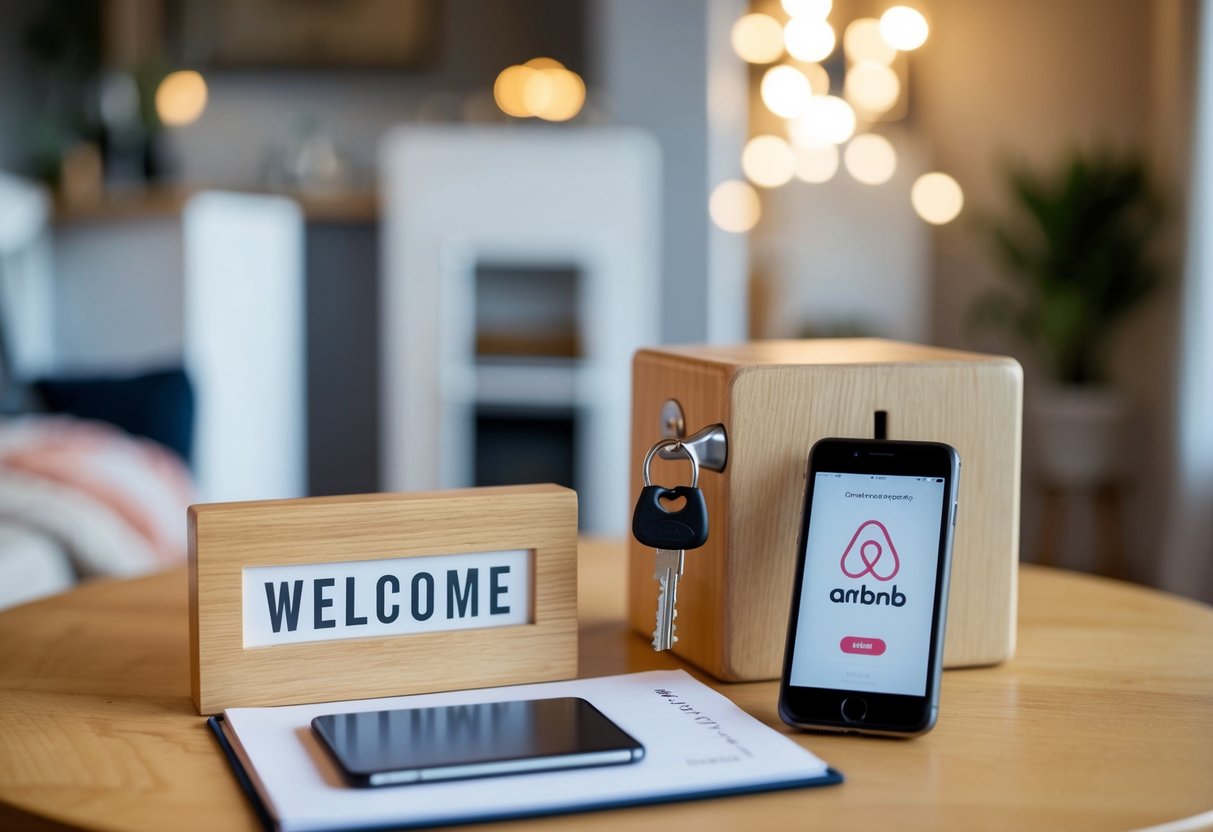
[(830, 778)]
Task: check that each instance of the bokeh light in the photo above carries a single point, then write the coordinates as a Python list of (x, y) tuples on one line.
[(181, 98), (862, 41), (758, 39), (904, 28), (785, 90), (817, 9), (734, 206), (508, 90), (808, 40), (871, 159), (937, 198), (768, 161), (542, 88), (872, 87), (827, 119), (816, 164), (554, 94)]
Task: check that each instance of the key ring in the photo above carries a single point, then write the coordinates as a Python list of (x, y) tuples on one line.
[(675, 446)]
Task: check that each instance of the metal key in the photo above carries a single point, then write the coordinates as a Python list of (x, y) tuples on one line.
[(671, 533), (669, 570)]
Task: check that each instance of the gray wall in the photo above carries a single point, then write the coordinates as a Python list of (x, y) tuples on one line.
[(342, 357), (655, 63)]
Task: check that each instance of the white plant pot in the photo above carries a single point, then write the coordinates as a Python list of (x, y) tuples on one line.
[(1080, 435)]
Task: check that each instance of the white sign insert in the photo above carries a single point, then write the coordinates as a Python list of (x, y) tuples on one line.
[(297, 603)]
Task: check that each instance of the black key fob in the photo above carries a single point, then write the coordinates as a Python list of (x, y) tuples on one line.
[(654, 525)]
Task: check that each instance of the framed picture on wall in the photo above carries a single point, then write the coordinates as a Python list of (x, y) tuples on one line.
[(250, 34)]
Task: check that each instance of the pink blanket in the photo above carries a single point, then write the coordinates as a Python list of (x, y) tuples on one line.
[(116, 503)]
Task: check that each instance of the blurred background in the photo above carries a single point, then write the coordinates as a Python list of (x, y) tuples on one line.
[(269, 248)]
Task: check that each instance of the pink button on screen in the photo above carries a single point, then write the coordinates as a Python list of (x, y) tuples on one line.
[(862, 646)]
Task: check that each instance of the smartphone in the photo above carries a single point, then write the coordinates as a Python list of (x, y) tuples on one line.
[(455, 742), (869, 603)]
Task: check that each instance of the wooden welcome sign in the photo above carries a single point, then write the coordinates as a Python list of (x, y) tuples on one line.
[(329, 598)]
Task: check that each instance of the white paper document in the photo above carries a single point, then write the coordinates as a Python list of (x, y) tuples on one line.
[(696, 743)]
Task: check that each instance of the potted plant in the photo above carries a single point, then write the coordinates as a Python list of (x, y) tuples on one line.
[(1080, 260)]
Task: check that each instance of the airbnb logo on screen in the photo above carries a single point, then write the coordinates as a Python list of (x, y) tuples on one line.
[(870, 552), (872, 556)]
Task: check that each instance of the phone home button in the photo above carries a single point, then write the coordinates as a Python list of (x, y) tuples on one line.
[(854, 709)]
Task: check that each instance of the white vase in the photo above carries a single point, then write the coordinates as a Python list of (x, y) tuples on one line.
[(1080, 435)]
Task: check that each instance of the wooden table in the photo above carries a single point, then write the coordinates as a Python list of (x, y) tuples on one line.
[(1104, 720)]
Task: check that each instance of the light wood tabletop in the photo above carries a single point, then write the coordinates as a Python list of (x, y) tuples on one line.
[(1104, 720)]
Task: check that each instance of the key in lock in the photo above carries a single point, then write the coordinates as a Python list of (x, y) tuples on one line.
[(671, 533)]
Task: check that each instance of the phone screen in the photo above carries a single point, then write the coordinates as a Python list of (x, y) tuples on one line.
[(868, 591), (458, 741)]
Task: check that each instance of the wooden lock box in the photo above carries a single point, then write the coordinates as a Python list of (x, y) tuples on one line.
[(775, 399)]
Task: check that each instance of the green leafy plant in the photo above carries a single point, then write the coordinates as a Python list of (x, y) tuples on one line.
[(1079, 254)]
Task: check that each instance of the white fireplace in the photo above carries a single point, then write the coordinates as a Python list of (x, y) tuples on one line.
[(520, 273)]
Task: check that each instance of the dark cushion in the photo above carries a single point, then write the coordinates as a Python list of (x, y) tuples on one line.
[(158, 405)]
